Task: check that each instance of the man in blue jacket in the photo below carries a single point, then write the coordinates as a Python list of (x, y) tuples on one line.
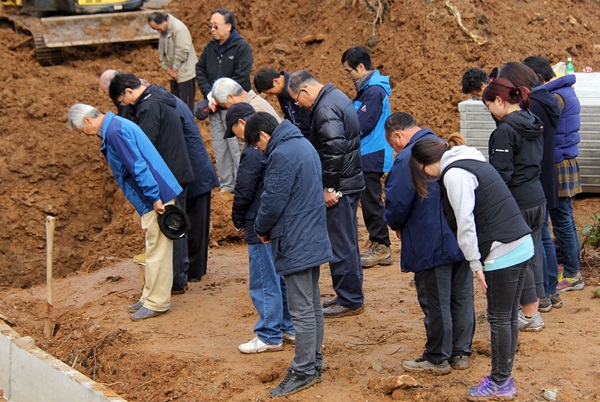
[(429, 249), (372, 105), (292, 218), (267, 288), (148, 184), (154, 109)]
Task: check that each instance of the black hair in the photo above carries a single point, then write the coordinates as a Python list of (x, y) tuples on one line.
[(157, 18), (228, 15), (472, 80), (260, 121), (541, 67), (120, 82), (263, 79), (398, 121), (519, 74), (357, 55), (301, 79)]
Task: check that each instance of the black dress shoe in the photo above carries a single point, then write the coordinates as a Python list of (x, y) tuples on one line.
[(194, 278), (179, 291)]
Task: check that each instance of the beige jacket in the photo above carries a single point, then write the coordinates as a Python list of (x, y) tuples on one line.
[(175, 50), (260, 105)]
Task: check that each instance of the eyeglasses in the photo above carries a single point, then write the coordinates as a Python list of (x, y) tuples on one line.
[(349, 70), (215, 27), (487, 106), (297, 102)]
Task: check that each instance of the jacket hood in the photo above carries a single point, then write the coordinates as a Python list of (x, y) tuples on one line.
[(234, 36), (526, 123), (564, 81), (283, 132), (460, 153), (548, 102), (374, 78), (159, 94)]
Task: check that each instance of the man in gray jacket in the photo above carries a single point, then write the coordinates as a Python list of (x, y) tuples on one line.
[(177, 55)]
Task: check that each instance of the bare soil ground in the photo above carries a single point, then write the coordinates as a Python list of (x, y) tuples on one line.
[(191, 353)]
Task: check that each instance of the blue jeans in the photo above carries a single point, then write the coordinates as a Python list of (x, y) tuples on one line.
[(503, 295), (565, 235), (550, 263), (268, 293)]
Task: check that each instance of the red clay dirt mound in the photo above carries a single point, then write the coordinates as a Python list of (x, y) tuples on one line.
[(47, 170)]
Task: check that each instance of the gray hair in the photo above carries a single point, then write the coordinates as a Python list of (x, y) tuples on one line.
[(224, 87), (106, 77), (301, 79), (78, 112)]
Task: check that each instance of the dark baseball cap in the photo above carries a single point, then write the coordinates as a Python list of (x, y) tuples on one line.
[(201, 109), (236, 112), (174, 223)]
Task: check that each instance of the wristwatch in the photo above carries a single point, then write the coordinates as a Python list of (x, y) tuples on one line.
[(338, 194)]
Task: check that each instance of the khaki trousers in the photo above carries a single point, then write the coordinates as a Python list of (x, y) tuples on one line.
[(158, 277)]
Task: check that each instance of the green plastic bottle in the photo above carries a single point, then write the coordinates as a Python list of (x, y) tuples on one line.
[(570, 67)]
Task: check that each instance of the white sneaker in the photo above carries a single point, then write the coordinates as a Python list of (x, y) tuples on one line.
[(258, 346), (289, 338)]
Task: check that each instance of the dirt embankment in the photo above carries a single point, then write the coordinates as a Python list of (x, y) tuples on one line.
[(47, 170)]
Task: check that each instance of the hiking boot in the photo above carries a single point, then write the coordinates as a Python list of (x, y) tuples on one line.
[(488, 389), (289, 338), (575, 283), (533, 324), (545, 305), (292, 383), (135, 306), (459, 362), (258, 346), (556, 300), (336, 311), (378, 254), (140, 259), (144, 313), (421, 364)]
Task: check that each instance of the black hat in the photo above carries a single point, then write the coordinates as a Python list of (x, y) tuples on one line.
[(236, 112), (201, 109), (174, 223)]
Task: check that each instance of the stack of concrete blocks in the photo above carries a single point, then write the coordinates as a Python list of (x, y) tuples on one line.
[(476, 125)]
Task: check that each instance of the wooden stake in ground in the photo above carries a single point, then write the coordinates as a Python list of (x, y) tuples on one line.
[(49, 325)]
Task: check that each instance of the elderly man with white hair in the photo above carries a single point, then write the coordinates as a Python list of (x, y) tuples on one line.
[(227, 92), (148, 184)]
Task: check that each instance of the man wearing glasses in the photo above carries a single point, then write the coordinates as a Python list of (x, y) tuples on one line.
[(335, 134), (226, 55)]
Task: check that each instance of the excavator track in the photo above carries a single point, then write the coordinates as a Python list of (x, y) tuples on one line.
[(44, 55)]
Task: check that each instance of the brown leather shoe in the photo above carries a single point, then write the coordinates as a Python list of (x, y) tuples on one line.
[(336, 311)]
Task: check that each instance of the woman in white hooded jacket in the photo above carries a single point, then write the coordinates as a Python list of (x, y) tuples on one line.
[(493, 236)]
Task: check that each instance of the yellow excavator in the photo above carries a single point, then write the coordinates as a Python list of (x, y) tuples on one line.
[(55, 24)]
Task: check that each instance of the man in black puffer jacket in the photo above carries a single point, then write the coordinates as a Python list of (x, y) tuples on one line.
[(335, 134)]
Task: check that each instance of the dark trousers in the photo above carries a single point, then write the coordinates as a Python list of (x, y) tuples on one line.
[(304, 304), (534, 278), (503, 295), (445, 294), (186, 91), (345, 267), (180, 251), (198, 209), (373, 209)]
